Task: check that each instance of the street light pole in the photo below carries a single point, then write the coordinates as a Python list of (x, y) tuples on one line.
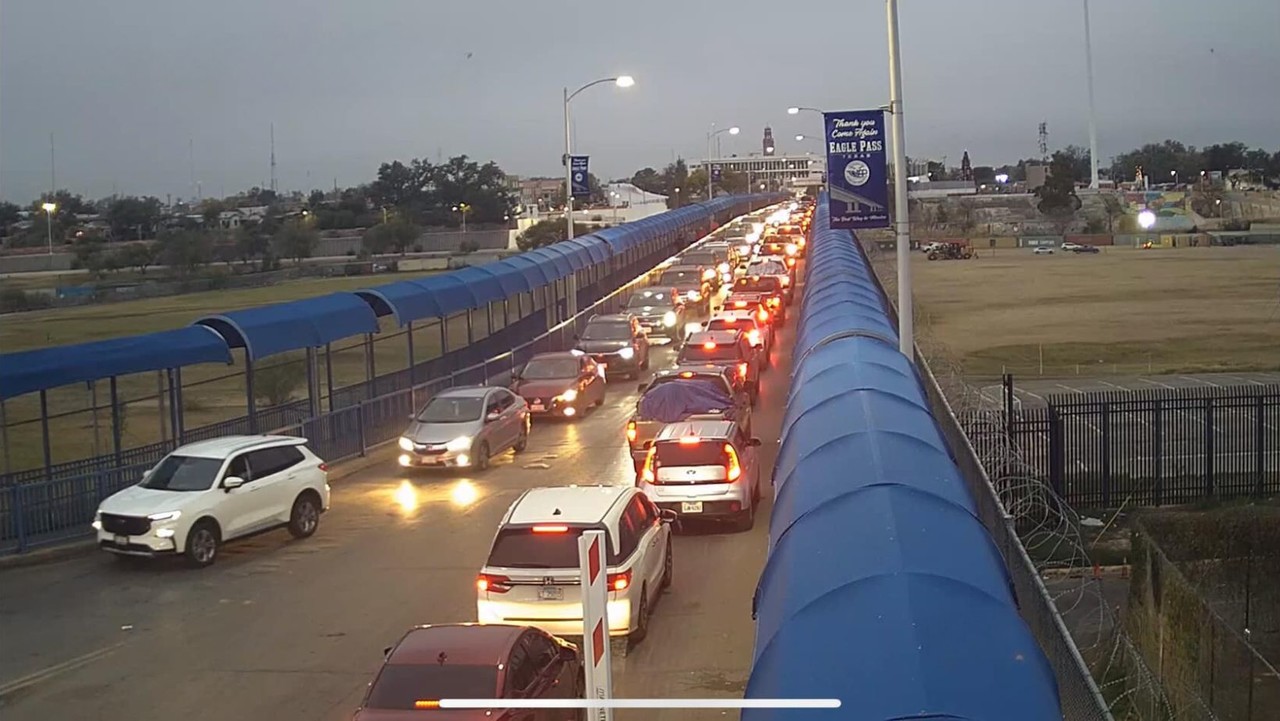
[(622, 81), (711, 134), (1093, 120), (901, 219), (48, 222)]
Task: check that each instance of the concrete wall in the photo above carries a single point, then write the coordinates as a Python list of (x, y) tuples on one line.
[(1090, 239), (35, 263)]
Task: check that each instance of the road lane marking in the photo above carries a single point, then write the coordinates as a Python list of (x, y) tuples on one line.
[(45, 674)]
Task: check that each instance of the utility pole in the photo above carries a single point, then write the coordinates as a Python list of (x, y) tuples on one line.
[(53, 170), (1093, 118), (273, 157), (901, 219)]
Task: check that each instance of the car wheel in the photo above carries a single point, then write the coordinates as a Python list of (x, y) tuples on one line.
[(632, 375), (304, 519), (202, 544), (522, 442), (481, 461), (642, 620), (746, 520)]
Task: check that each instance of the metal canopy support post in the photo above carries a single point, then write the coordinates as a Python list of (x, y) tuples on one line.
[(328, 373), (369, 371), (313, 385), (409, 337), (93, 403), (471, 338), (179, 406), (116, 429), (160, 410), (4, 439), (250, 402), (44, 432), (444, 335), (901, 219)]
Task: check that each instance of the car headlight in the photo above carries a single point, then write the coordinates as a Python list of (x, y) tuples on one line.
[(694, 296), (708, 274), (166, 516), (724, 267), (627, 353), (669, 320), (405, 444), (568, 396), (461, 443), (97, 521)]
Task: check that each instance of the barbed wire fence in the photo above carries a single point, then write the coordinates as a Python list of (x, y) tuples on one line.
[(1089, 600)]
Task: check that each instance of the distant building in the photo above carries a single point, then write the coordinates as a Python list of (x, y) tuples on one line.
[(1036, 175), (767, 144), (536, 194), (773, 171)]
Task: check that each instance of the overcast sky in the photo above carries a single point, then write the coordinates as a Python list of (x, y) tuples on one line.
[(126, 85)]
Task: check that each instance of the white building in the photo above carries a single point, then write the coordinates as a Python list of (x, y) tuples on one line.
[(774, 171)]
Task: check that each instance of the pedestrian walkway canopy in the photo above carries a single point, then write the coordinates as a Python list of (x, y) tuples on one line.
[(283, 327)]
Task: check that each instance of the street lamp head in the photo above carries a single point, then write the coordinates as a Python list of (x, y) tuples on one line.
[(799, 137), (49, 207), (624, 81), (1146, 219), (793, 110), (735, 130)]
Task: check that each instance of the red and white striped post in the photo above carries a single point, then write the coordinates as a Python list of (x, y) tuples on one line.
[(595, 621)]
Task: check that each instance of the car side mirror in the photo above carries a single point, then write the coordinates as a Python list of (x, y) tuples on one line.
[(642, 387), (387, 651), (754, 443), (568, 655), (666, 515), (490, 418), (231, 483)]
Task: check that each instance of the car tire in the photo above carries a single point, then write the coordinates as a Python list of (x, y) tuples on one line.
[(203, 542), (636, 637), (522, 442), (481, 462), (746, 520), (304, 519)]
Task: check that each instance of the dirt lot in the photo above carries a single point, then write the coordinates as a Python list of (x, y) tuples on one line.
[(1182, 310), (212, 393)]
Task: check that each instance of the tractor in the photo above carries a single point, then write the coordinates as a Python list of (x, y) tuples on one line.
[(951, 251)]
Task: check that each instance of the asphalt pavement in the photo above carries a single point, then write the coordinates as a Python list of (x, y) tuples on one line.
[(281, 629)]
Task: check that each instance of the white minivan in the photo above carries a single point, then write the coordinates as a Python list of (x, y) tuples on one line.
[(532, 576)]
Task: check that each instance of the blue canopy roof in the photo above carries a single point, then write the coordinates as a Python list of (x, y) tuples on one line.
[(34, 370), (483, 284), (596, 250), (538, 274), (406, 300), (512, 279), (309, 323), (452, 293), (554, 262)]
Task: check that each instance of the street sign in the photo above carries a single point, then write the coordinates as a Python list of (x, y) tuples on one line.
[(580, 184), (595, 621), (716, 172), (857, 169)]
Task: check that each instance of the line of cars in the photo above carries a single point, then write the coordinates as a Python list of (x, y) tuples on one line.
[(691, 438)]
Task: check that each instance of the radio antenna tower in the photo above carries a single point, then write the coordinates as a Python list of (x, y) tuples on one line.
[(1044, 142), (273, 157)]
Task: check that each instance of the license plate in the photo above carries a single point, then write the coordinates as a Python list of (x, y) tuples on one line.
[(121, 540), (550, 593), (691, 507), (537, 407)]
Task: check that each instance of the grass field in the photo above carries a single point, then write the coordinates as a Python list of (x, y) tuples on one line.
[(212, 393), (1174, 310)]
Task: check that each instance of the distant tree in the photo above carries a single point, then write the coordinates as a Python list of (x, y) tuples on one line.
[(9, 214), (984, 175), (1078, 158), (67, 202), (546, 232), (89, 253), (1112, 206), (251, 242), (133, 218), (296, 240), (1057, 197), (650, 181), (397, 185), (1226, 156), (733, 182), (257, 197), (467, 247), (482, 187), (274, 382), (393, 236), (212, 209), (138, 256), (315, 199), (185, 251)]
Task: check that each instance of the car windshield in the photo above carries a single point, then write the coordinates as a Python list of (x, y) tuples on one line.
[(530, 548), (704, 258), (656, 300), (723, 323), (699, 352), (400, 686), (451, 409), (183, 473), (769, 268), (607, 331), (550, 368), (676, 453)]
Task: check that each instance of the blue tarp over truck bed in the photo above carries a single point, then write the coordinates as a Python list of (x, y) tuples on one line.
[(676, 400)]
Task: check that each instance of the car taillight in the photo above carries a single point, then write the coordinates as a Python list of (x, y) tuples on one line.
[(647, 475), (791, 262), (786, 281), (740, 304), (324, 467), (775, 301), (489, 583), (709, 345), (763, 315), (753, 336), (742, 370), (619, 581), (631, 431), (426, 705), (733, 470)]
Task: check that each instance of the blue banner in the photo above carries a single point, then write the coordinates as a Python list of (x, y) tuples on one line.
[(716, 171), (857, 169), (578, 174)]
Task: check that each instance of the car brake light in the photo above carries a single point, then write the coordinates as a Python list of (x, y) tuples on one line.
[(734, 469), (709, 345), (550, 529), (763, 315), (753, 336), (686, 374), (689, 440), (631, 431), (791, 261), (740, 304), (742, 369), (425, 705), (619, 581), (647, 474), (324, 467), (490, 583), (786, 281)]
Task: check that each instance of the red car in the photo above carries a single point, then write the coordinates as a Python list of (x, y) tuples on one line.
[(565, 383), (474, 661)]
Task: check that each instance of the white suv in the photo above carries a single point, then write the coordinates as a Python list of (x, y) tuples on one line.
[(209, 492), (704, 469), (532, 574)]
